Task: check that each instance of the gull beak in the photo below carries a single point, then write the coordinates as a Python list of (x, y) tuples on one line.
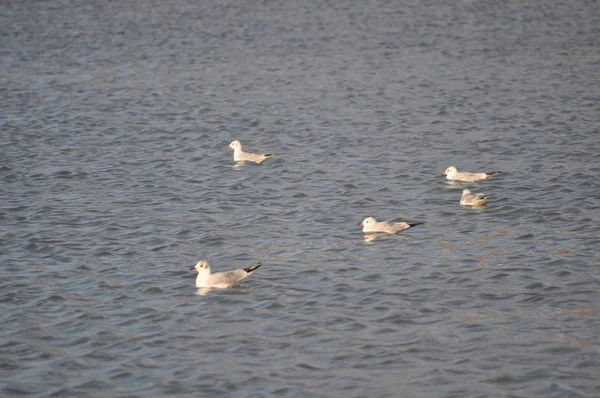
[(227, 146), (360, 224), (444, 173), (193, 268)]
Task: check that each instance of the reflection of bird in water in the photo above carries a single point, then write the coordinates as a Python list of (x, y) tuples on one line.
[(221, 279), (241, 156), (452, 174), (472, 199), (370, 224), (371, 237)]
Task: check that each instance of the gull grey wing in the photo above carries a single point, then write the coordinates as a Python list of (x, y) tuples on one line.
[(229, 278)]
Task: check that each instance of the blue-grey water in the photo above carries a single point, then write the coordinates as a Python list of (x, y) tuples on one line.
[(115, 180)]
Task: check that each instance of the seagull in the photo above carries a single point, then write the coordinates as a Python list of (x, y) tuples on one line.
[(452, 174), (221, 279), (472, 199), (241, 156), (370, 224)]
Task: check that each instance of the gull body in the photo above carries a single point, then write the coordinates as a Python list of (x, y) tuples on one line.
[(240, 156), (472, 199), (454, 175), (221, 280), (370, 224)]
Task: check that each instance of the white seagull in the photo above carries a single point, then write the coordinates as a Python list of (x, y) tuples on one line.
[(241, 156), (370, 224), (472, 199), (221, 280), (454, 175)]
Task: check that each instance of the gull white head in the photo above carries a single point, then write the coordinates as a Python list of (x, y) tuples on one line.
[(466, 191), (201, 267), (235, 145), (367, 222), (450, 171)]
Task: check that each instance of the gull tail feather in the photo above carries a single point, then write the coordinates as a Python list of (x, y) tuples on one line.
[(491, 173), (415, 224), (252, 267)]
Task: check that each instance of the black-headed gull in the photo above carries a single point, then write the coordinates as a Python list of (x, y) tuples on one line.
[(221, 280), (472, 199), (370, 224), (241, 156), (454, 175)]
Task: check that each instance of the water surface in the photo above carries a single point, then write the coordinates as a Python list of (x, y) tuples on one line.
[(115, 180)]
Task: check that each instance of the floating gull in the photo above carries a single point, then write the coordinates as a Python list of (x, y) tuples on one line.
[(370, 224), (472, 199), (241, 156), (452, 174), (221, 279)]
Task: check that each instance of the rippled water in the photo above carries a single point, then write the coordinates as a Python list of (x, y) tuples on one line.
[(115, 181)]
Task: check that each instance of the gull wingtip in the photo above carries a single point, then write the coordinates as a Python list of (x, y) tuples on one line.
[(253, 267)]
